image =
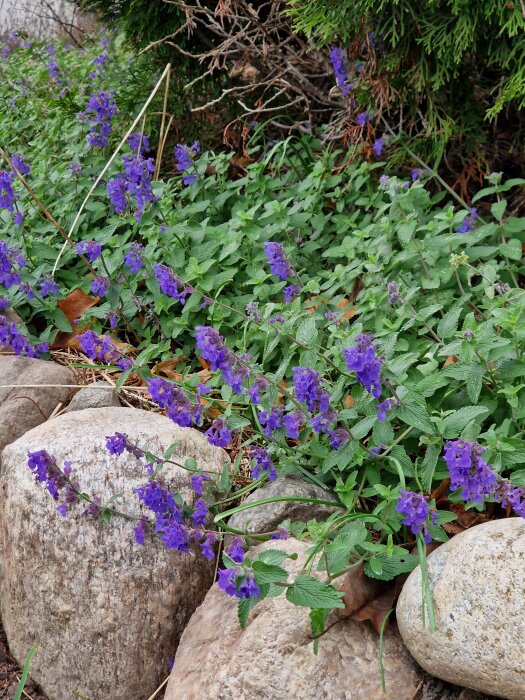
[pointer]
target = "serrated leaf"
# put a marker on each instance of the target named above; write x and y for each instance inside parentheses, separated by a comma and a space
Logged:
(475, 382)
(268, 573)
(449, 323)
(307, 331)
(311, 593)
(498, 209)
(511, 249)
(413, 410)
(392, 565)
(338, 552)
(272, 556)
(455, 422)
(243, 610)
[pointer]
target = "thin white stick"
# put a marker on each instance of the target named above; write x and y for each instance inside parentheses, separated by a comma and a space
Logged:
(106, 167)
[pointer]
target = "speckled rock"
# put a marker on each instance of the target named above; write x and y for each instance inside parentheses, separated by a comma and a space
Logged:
(24, 408)
(268, 517)
(96, 395)
(273, 659)
(105, 613)
(477, 581)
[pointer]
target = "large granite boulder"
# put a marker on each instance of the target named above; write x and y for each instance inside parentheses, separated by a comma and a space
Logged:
(104, 612)
(273, 659)
(25, 407)
(477, 580)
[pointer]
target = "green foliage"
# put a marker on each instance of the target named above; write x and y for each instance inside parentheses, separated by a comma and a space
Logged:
(451, 62)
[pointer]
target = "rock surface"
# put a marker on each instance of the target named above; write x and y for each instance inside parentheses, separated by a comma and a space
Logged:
(477, 581)
(273, 658)
(96, 395)
(268, 517)
(26, 407)
(104, 612)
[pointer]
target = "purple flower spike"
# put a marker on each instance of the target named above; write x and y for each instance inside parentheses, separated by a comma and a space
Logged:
(417, 512)
(468, 470)
(218, 434)
(235, 550)
(277, 260)
(362, 360)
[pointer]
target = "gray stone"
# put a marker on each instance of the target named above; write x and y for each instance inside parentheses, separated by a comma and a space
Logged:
(23, 408)
(273, 659)
(96, 395)
(104, 612)
(269, 516)
(477, 581)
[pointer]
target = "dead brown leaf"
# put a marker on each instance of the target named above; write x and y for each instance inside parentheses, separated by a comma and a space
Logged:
(366, 598)
(451, 360)
(74, 305)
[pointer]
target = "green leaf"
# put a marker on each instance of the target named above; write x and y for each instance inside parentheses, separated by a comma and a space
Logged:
(317, 623)
(268, 573)
(413, 410)
(338, 552)
(475, 382)
(428, 466)
(392, 565)
(243, 610)
(511, 249)
(449, 323)
(225, 480)
(61, 321)
(307, 331)
(273, 556)
(311, 593)
(455, 422)
(498, 209)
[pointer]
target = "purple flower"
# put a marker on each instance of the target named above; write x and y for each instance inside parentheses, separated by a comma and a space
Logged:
(99, 347)
(339, 438)
(276, 320)
(378, 146)
(91, 249)
(140, 529)
(100, 286)
(7, 194)
(18, 218)
(53, 67)
(214, 350)
(75, 168)
(338, 58)
(12, 338)
(138, 142)
(393, 293)
(362, 360)
(100, 110)
(417, 512)
(20, 164)
(116, 444)
(47, 286)
(185, 156)
(511, 497)
(170, 284)
(468, 222)
(383, 407)
(235, 550)
(133, 258)
(277, 260)
(199, 515)
(4, 303)
(197, 481)
(322, 421)
(218, 433)
(307, 383)
(10, 259)
(291, 291)
(171, 397)
(156, 498)
(468, 470)
(271, 420)
(248, 588)
(260, 384)
(281, 534)
(116, 189)
(362, 118)
(227, 579)
(293, 422)
(415, 173)
(332, 316)
(252, 310)
(206, 545)
(262, 462)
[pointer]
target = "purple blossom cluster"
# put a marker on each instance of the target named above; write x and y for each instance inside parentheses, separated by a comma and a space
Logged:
(47, 286)
(139, 142)
(234, 368)
(361, 358)
(308, 389)
(53, 67)
(277, 260)
(100, 110)
(119, 443)
(185, 157)
(133, 186)
(170, 284)
(100, 285)
(57, 482)
(11, 337)
(177, 405)
(338, 59)
(417, 513)
(102, 348)
(394, 297)
(263, 463)
(91, 249)
(20, 164)
(10, 259)
(7, 193)
(133, 258)
(176, 529)
(238, 582)
(468, 470)
(218, 433)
